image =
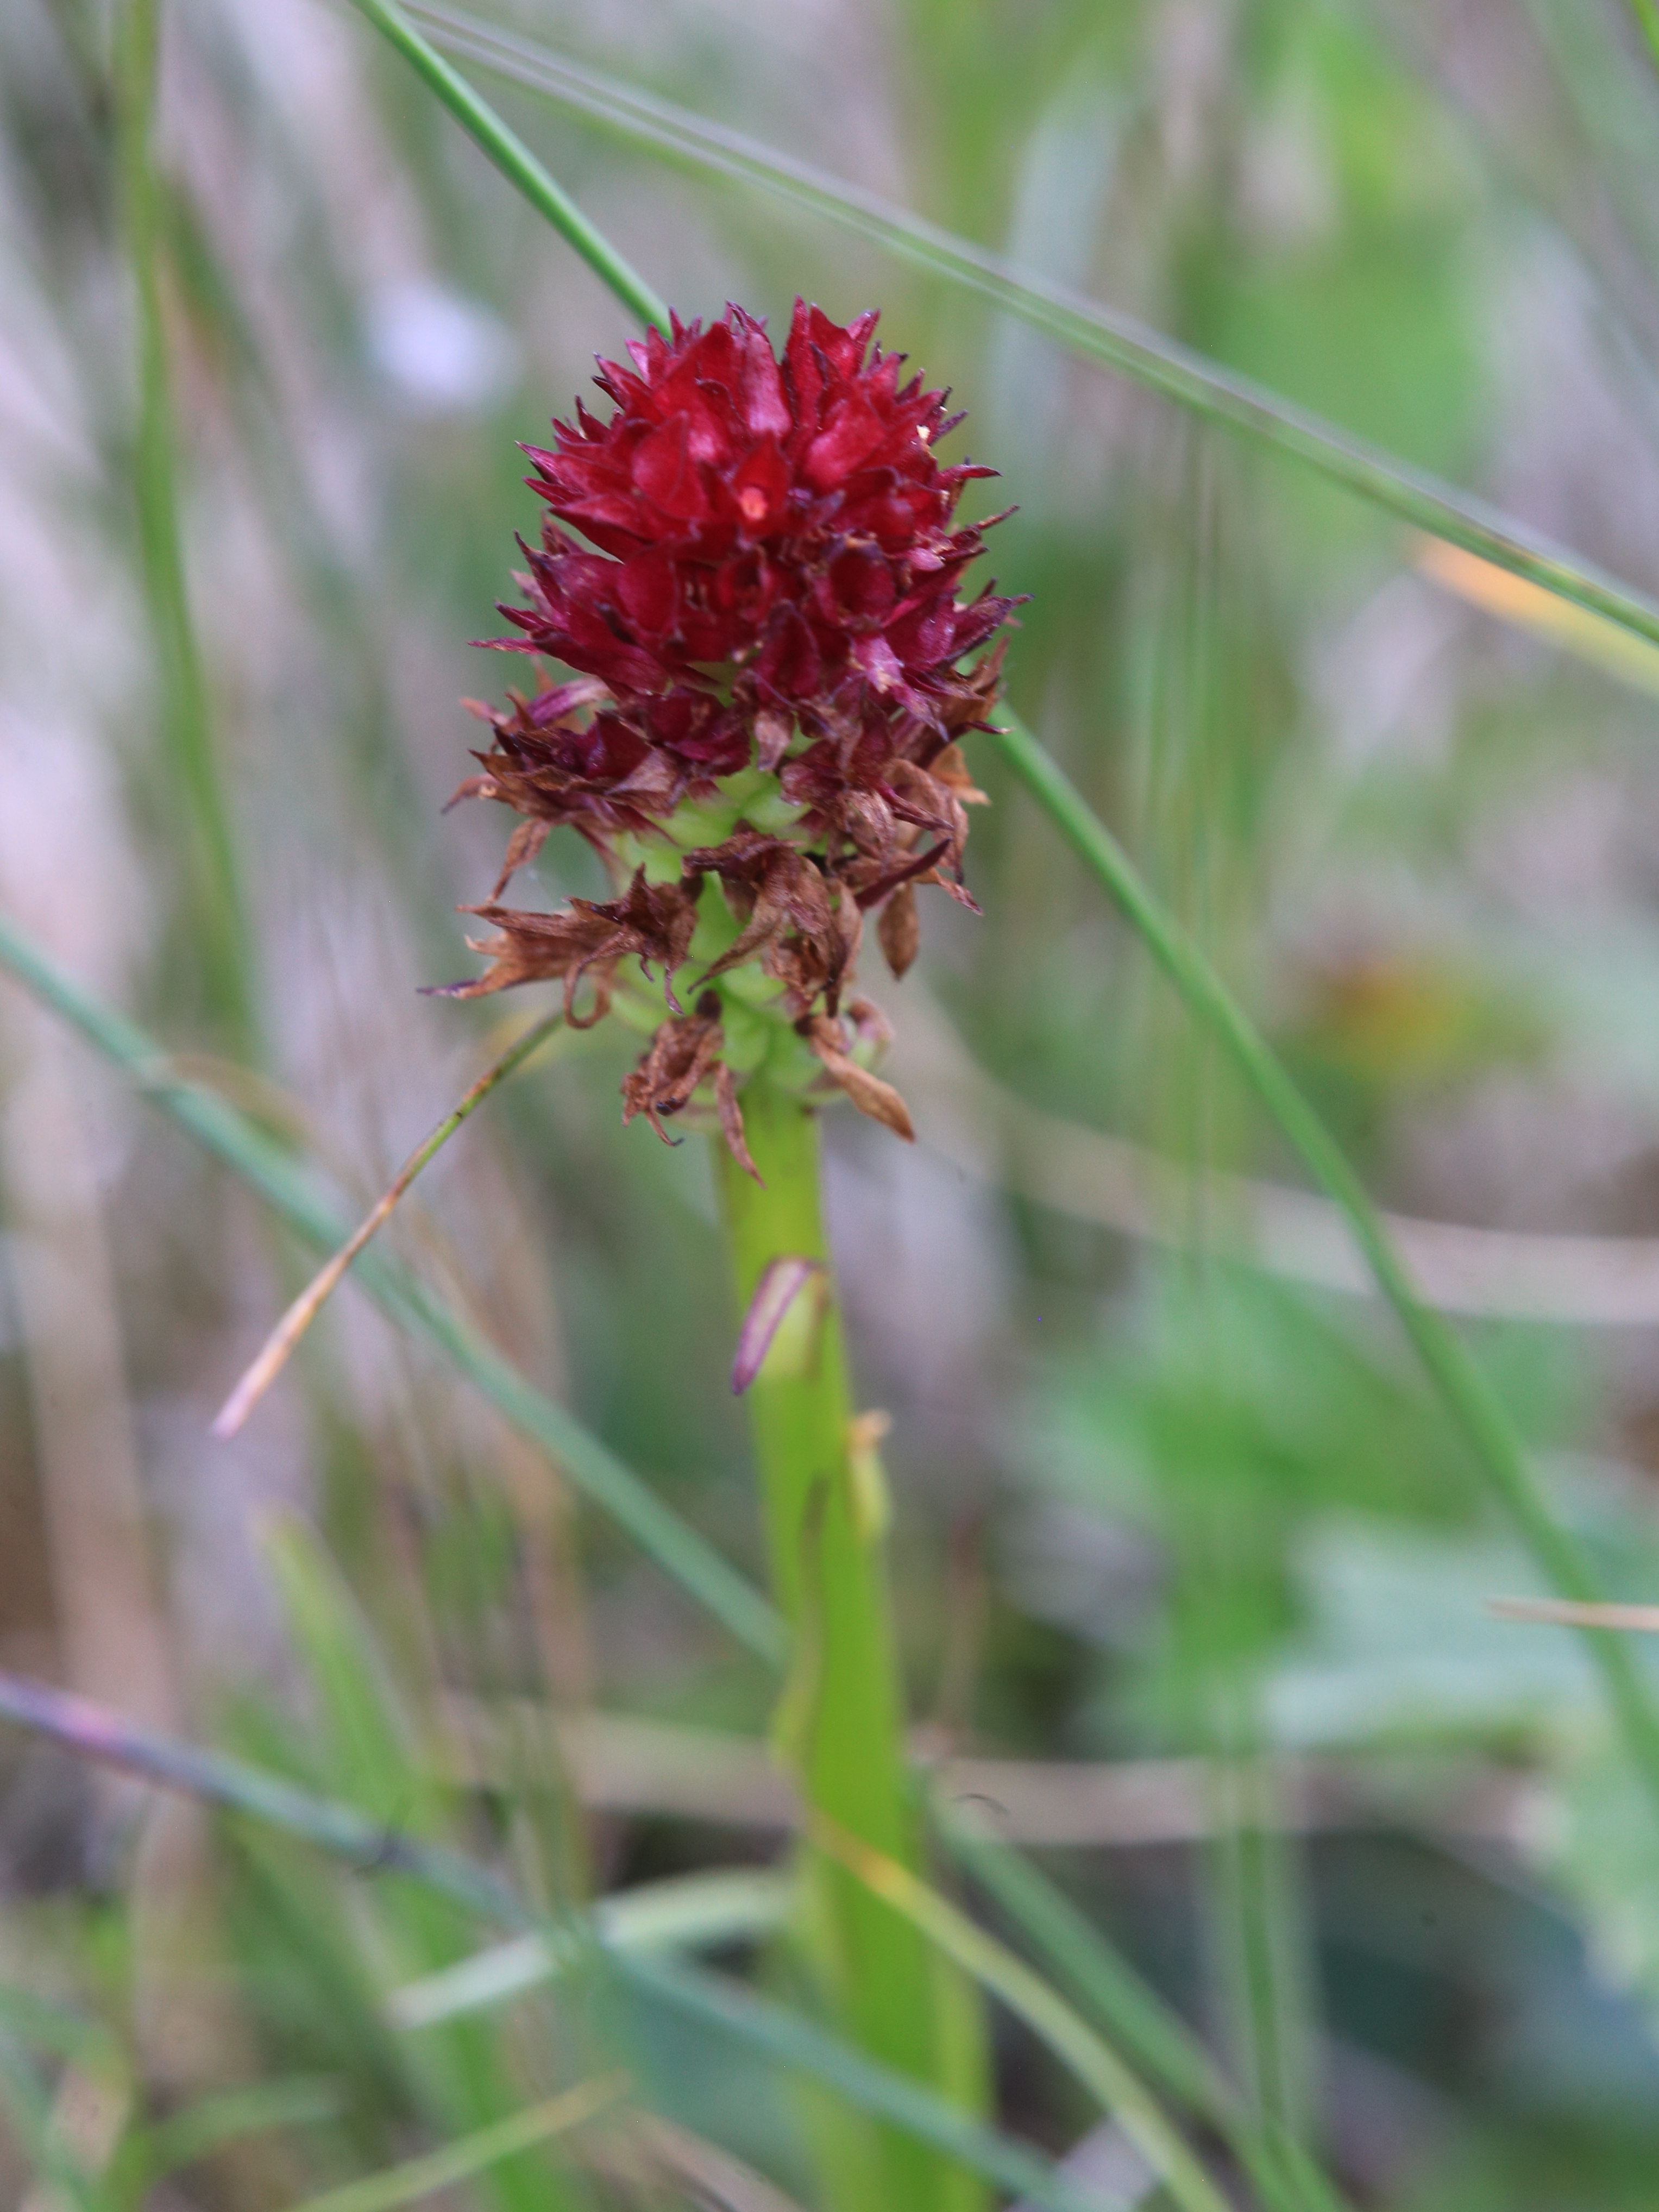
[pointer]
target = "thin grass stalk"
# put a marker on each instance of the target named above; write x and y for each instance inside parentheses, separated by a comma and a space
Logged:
(1070, 319)
(515, 160)
(218, 916)
(1461, 1387)
(1259, 1935)
(263, 1164)
(842, 1720)
(283, 1340)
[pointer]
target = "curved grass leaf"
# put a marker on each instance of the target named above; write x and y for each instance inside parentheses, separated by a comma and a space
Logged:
(291, 1191)
(1073, 320)
(688, 1911)
(515, 161)
(1100, 2070)
(1155, 2036)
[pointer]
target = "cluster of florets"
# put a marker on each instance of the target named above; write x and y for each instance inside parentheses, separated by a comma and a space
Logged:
(771, 677)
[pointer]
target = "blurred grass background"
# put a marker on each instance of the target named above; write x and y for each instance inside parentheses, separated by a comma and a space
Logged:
(1179, 1525)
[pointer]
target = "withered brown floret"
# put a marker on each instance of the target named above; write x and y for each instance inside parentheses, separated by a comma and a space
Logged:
(685, 1053)
(652, 922)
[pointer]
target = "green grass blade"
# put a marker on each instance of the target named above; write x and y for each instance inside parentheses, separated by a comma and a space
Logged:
(688, 1911)
(1158, 2038)
(290, 1191)
(1646, 12)
(474, 2154)
(93, 1731)
(515, 160)
(788, 2040)
(220, 919)
(1096, 2064)
(1463, 1390)
(1081, 324)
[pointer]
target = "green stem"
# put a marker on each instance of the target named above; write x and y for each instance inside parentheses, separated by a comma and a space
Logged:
(516, 162)
(841, 1719)
(1461, 1386)
(220, 918)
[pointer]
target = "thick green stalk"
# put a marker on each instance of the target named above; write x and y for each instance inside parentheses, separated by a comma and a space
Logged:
(219, 917)
(842, 1723)
(1463, 1390)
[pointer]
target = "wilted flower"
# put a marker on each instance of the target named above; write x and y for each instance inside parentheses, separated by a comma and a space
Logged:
(761, 736)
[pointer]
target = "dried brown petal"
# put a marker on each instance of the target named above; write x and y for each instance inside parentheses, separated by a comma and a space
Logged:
(731, 1114)
(651, 923)
(867, 1092)
(680, 1055)
(900, 929)
(522, 847)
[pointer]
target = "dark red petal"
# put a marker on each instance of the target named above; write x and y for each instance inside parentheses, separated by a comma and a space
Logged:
(648, 592)
(858, 586)
(765, 409)
(789, 662)
(853, 429)
(760, 486)
(662, 470)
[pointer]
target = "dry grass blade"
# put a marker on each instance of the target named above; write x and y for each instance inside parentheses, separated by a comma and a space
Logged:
(281, 1343)
(441, 2170)
(1511, 598)
(1565, 1612)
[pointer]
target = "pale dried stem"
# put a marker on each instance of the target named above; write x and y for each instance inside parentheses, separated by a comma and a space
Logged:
(279, 1346)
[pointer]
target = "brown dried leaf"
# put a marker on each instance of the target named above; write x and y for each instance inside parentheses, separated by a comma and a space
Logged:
(731, 1114)
(522, 847)
(899, 929)
(867, 1092)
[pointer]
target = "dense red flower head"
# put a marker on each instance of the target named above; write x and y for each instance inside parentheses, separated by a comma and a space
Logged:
(775, 552)
(772, 668)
